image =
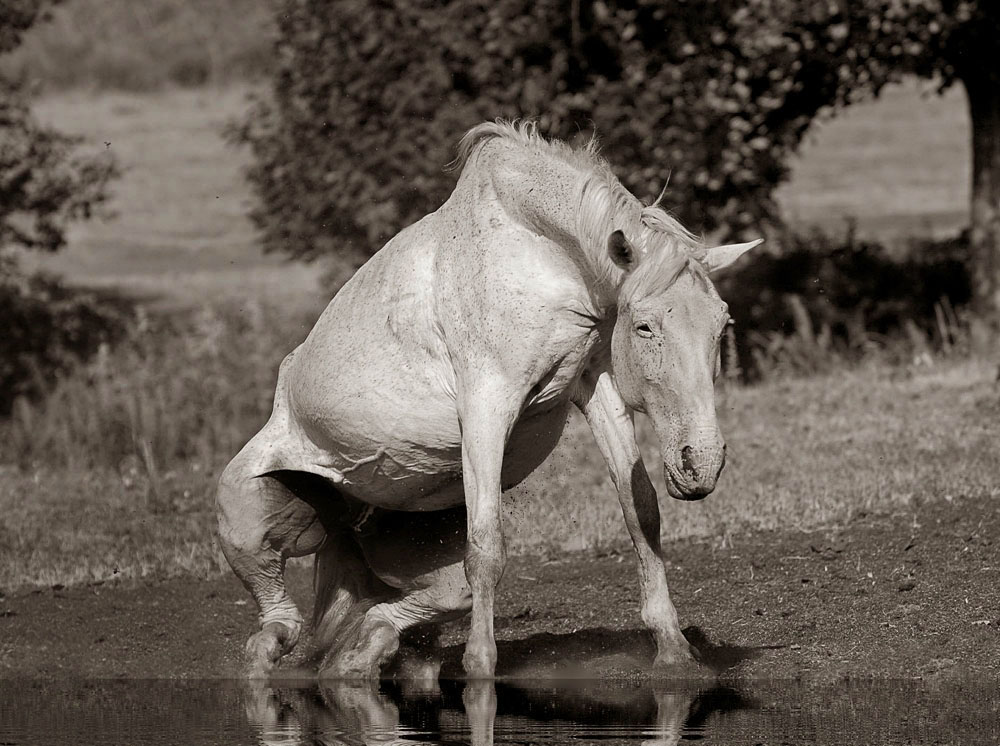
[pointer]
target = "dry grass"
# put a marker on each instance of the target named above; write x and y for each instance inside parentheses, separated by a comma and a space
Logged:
(803, 453)
(118, 473)
(113, 474)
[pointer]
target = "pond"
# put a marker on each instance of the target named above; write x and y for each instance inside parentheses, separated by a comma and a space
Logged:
(509, 712)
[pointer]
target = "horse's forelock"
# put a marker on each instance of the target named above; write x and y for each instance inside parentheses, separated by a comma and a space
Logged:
(654, 274)
(669, 249)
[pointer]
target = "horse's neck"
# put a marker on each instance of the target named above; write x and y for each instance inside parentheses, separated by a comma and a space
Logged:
(543, 193)
(540, 191)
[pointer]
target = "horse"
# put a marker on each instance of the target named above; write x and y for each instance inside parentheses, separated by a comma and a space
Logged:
(441, 374)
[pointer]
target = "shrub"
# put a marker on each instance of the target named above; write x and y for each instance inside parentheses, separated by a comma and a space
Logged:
(48, 330)
(44, 185)
(824, 300)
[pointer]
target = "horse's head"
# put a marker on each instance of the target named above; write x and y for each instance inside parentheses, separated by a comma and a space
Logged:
(665, 356)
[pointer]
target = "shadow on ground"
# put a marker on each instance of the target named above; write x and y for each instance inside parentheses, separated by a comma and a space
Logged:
(598, 651)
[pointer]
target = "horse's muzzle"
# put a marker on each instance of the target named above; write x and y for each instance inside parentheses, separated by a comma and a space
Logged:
(695, 472)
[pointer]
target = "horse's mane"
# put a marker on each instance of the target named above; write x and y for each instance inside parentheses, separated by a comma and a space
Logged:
(524, 132)
(666, 247)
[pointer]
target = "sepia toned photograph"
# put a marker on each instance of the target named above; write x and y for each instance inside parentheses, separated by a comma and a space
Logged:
(507, 372)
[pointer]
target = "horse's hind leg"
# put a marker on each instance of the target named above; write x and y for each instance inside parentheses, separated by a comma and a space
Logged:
(377, 637)
(261, 524)
(419, 559)
(346, 589)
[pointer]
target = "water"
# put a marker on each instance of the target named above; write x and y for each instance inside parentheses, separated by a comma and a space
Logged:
(523, 712)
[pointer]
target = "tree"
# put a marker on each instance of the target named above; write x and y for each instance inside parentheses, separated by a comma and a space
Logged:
(951, 41)
(43, 186)
(370, 98)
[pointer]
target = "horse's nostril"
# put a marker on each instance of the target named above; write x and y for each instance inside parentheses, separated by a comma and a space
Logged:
(686, 463)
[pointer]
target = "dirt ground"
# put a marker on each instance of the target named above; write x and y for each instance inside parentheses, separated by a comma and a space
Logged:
(913, 595)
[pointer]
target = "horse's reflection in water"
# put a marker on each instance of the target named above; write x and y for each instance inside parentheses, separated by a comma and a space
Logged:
(360, 713)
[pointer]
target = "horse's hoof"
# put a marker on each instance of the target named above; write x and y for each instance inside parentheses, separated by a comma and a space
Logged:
(262, 653)
(265, 648)
(380, 641)
(417, 673)
(680, 665)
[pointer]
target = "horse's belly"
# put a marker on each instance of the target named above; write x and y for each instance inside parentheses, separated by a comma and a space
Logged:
(414, 477)
(393, 454)
(417, 474)
(397, 478)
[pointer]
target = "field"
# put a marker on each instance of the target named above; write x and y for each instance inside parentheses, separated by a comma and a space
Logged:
(178, 234)
(112, 479)
(899, 166)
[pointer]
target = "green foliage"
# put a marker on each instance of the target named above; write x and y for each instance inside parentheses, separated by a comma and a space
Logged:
(370, 98)
(48, 331)
(943, 39)
(17, 16)
(43, 184)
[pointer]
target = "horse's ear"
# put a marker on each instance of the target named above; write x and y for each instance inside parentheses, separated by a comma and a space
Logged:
(720, 257)
(621, 251)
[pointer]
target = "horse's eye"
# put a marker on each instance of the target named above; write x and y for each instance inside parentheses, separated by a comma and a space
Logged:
(643, 330)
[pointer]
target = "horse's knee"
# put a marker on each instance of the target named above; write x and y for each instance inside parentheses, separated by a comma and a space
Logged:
(485, 560)
(258, 513)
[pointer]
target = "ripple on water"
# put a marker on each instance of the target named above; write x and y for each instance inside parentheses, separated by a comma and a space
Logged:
(511, 712)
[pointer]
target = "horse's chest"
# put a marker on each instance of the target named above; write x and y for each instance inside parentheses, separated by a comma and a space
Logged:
(562, 376)
(533, 438)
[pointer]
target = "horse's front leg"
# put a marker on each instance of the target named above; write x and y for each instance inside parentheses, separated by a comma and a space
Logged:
(487, 412)
(611, 423)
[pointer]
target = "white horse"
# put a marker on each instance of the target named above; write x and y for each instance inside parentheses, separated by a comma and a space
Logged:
(441, 374)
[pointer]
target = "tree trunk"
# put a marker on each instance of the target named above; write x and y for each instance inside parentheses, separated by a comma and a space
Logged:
(984, 111)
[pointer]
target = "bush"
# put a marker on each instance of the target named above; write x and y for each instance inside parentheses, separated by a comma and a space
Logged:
(48, 330)
(824, 301)
(44, 185)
